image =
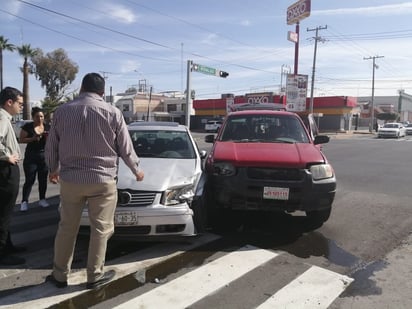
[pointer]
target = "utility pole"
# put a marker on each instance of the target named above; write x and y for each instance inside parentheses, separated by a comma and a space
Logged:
(105, 76)
(375, 66)
(317, 38)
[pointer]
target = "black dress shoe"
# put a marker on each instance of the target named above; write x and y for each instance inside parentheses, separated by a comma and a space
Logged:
(57, 283)
(103, 280)
(11, 260)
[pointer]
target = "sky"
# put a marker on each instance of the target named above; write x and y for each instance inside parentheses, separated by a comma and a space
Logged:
(128, 41)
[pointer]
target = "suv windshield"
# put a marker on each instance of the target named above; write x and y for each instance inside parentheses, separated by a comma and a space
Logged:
(162, 144)
(264, 128)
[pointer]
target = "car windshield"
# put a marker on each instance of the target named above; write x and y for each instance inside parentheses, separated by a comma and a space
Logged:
(264, 128)
(162, 144)
(391, 125)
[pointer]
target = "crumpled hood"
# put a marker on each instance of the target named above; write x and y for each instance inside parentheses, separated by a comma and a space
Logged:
(268, 154)
(159, 174)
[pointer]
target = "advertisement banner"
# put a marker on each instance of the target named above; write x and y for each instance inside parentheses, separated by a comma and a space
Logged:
(296, 92)
(229, 105)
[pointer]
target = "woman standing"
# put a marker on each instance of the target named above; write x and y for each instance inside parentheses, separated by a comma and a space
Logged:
(34, 134)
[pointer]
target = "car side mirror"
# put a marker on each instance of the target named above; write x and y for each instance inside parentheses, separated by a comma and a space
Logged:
(321, 139)
(203, 154)
(210, 138)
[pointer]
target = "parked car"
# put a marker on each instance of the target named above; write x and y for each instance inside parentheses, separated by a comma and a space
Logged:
(392, 129)
(408, 129)
(213, 125)
(264, 160)
(168, 202)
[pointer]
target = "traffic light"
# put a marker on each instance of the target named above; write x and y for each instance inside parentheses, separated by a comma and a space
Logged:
(223, 74)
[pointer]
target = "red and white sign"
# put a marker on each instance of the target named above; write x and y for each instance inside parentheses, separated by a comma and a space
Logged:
(296, 91)
(297, 11)
(292, 36)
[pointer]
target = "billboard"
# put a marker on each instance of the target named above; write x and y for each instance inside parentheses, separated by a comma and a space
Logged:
(296, 92)
(297, 11)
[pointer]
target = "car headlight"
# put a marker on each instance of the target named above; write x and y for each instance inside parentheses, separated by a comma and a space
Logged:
(321, 171)
(178, 195)
(223, 169)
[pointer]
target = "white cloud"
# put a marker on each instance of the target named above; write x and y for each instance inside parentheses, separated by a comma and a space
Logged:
(245, 23)
(392, 9)
(120, 13)
(210, 39)
(13, 7)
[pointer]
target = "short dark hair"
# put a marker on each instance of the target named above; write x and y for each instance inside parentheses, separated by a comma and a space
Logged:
(36, 110)
(93, 82)
(9, 93)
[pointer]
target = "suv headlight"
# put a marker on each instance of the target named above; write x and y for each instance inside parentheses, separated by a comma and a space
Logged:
(223, 169)
(321, 171)
(175, 196)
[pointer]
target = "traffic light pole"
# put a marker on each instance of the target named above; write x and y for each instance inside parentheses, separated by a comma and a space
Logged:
(188, 109)
(200, 69)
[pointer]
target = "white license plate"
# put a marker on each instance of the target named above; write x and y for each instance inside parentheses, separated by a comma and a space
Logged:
(125, 218)
(275, 193)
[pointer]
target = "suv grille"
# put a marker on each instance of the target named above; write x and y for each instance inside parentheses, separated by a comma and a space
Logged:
(127, 198)
(274, 173)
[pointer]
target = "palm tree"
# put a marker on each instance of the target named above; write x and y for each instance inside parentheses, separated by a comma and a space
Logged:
(4, 45)
(26, 52)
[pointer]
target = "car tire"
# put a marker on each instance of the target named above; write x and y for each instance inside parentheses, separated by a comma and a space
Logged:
(316, 218)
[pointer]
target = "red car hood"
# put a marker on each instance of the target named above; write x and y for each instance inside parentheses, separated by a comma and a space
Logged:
(268, 154)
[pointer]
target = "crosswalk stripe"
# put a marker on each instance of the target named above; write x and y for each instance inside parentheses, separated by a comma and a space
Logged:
(193, 286)
(315, 288)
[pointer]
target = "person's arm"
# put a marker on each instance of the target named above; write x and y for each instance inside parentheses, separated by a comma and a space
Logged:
(126, 149)
(5, 154)
(24, 136)
(52, 151)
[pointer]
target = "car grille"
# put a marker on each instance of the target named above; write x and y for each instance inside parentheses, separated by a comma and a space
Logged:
(275, 174)
(134, 198)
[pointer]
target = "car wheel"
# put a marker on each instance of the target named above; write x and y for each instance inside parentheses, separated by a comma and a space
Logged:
(316, 218)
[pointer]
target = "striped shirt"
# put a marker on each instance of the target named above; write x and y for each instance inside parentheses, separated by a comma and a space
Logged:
(8, 140)
(86, 139)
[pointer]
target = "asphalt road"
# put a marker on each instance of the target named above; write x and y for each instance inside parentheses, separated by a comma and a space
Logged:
(367, 240)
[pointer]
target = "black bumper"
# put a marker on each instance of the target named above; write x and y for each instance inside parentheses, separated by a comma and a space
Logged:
(244, 191)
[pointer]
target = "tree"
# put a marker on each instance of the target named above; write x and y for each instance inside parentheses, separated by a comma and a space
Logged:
(56, 72)
(4, 45)
(391, 116)
(27, 52)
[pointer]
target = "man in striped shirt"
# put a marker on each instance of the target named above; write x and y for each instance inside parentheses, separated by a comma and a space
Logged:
(86, 139)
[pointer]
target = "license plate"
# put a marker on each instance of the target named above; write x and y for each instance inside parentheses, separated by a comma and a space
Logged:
(275, 193)
(125, 218)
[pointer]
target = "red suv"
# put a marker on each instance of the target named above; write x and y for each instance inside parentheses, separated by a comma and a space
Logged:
(269, 160)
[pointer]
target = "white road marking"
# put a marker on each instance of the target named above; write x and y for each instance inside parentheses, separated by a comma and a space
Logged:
(315, 288)
(193, 286)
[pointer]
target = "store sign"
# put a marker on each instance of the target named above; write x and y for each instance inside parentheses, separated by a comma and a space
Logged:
(292, 36)
(298, 11)
(229, 105)
(259, 98)
(296, 92)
